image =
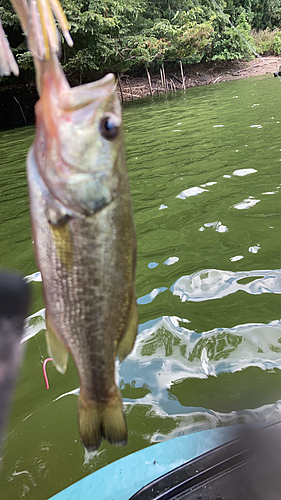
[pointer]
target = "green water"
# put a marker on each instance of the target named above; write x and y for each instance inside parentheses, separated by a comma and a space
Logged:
(205, 177)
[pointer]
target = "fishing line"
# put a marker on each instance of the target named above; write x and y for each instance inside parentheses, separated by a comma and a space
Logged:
(40, 352)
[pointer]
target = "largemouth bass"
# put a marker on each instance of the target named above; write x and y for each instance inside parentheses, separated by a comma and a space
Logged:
(85, 242)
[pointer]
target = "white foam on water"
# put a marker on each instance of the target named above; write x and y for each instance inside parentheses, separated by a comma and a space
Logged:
(193, 191)
(247, 203)
(241, 172)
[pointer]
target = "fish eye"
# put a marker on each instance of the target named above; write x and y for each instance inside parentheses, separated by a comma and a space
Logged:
(109, 126)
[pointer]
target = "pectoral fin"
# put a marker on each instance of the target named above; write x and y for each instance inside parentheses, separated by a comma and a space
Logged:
(126, 344)
(56, 349)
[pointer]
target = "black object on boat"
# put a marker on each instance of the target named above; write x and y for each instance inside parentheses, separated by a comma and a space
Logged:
(246, 468)
(14, 300)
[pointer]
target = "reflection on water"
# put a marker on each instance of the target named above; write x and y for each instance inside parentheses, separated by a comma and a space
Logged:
(213, 283)
(199, 355)
(247, 203)
(205, 176)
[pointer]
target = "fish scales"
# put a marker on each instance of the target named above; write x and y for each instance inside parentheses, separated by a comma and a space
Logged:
(85, 243)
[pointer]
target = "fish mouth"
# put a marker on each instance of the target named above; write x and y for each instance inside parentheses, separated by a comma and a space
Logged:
(79, 97)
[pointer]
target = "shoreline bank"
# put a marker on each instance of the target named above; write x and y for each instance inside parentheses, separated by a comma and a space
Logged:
(195, 75)
(17, 103)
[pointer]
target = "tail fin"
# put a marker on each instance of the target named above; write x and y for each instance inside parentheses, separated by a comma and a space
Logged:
(99, 420)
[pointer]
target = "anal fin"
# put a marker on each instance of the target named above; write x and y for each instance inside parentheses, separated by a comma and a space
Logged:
(56, 349)
(126, 343)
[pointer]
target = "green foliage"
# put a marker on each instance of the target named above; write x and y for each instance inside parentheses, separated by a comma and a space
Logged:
(277, 43)
(128, 35)
(263, 41)
(272, 14)
(183, 37)
(267, 42)
(233, 42)
(8, 16)
(261, 14)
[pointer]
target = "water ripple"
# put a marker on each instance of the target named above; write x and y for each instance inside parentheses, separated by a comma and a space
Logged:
(216, 225)
(34, 324)
(210, 284)
(175, 353)
(146, 299)
(247, 203)
(33, 277)
(195, 420)
(193, 191)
